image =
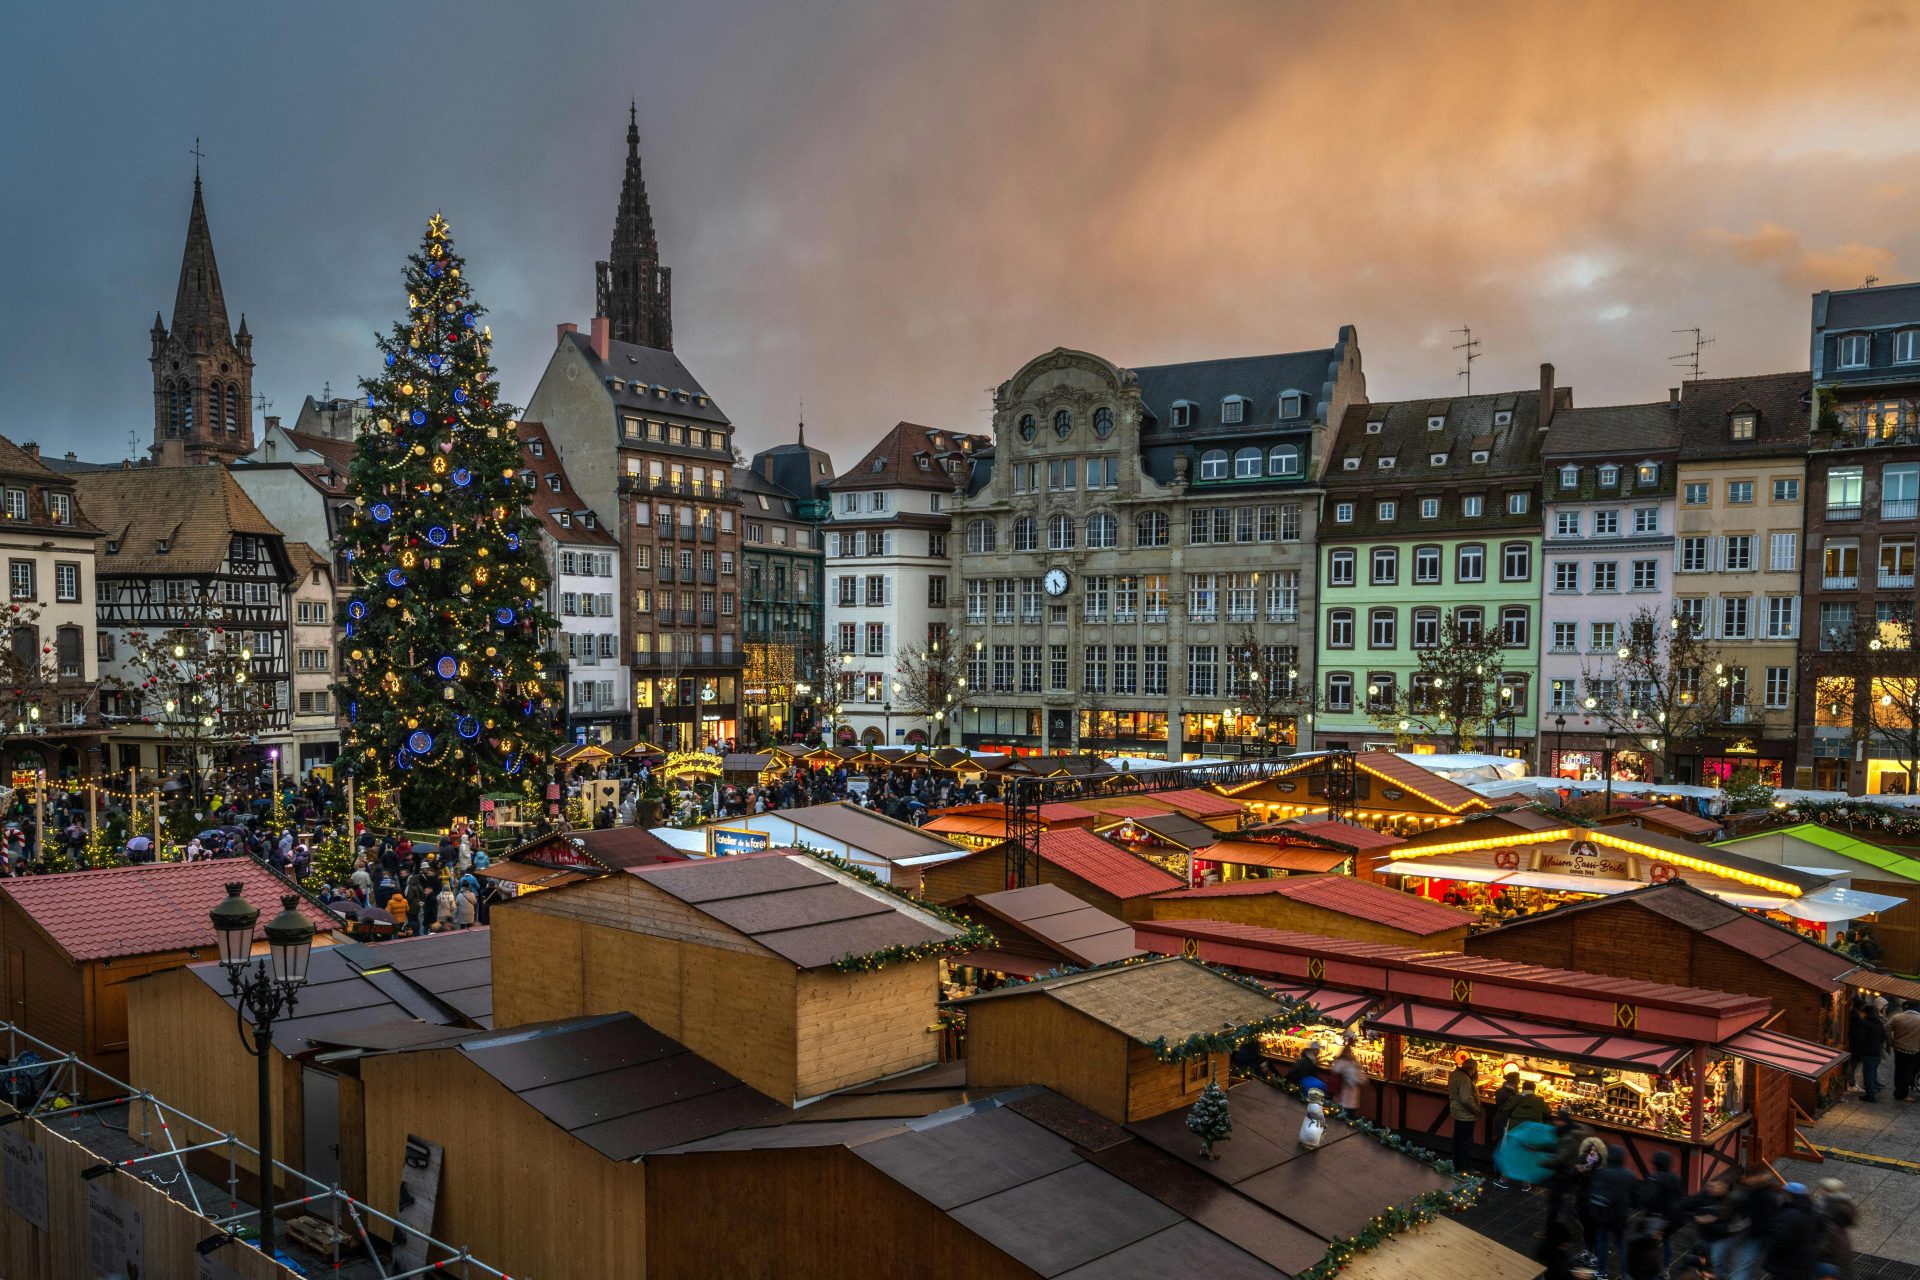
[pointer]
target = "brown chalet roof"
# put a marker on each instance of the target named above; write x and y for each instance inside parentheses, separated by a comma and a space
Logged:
(1336, 832)
(1672, 819)
(1773, 945)
(1780, 400)
(1103, 865)
(1177, 828)
(1199, 803)
(895, 462)
(1168, 999)
(617, 1084)
(1086, 935)
(1361, 899)
(543, 500)
(17, 464)
(615, 849)
(871, 832)
(795, 905)
(338, 452)
(194, 510)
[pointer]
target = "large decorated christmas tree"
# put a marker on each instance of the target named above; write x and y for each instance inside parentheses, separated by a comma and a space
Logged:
(447, 689)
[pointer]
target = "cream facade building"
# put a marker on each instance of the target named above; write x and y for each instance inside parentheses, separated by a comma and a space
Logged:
(1132, 532)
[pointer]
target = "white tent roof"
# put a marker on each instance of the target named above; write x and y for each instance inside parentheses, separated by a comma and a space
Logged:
(1523, 786)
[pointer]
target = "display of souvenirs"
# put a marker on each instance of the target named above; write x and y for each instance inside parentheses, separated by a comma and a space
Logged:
(1290, 1044)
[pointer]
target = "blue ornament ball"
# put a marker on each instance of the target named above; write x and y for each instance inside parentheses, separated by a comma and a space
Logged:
(462, 477)
(381, 513)
(356, 608)
(418, 417)
(395, 578)
(437, 536)
(419, 742)
(459, 395)
(447, 667)
(468, 727)
(503, 616)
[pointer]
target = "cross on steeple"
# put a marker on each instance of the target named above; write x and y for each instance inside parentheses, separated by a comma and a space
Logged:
(198, 155)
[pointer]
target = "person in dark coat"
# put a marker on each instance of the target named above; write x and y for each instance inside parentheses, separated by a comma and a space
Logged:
(1791, 1236)
(1611, 1195)
(1867, 1041)
(1661, 1196)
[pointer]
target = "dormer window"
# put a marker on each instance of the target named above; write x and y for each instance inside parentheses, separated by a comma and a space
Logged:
(1609, 476)
(1906, 347)
(553, 483)
(1647, 474)
(1291, 404)
(1233, 409)
(1103, 423)
(1855, 350)
(538, 448)
(1502, 417)
(1743, 425)
(925, 463)
(879, 465)
(1349, 464)
(1375, 428)
(562, 519)
(1386, 464)
(1028, 426)
(1436, 459)
(113, 546)
(1569, 477)
(1479, 455)
(586, 518)
(1183, 413)
(1436, 421)
(162, 545)
(616, 384)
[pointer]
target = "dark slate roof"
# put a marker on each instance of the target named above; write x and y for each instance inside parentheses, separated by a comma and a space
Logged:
(1261, 379)
(797, 466)
(441, 980)
(1867, 308)
(1058, 920)
(780, 502)
(796, 905)
(1614, 430)
(616, 1084)
(1780, 400)
(645, 372)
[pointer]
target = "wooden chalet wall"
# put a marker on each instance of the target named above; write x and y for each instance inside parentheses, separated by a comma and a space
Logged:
(170, 1229)
(515, 1188)
(1155, 1087)
(618, 944)
(1275, 911)
(1899, 928)
(811, 1213)
(186, 1050)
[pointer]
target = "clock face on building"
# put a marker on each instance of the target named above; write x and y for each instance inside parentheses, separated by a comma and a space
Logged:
(1056, 582)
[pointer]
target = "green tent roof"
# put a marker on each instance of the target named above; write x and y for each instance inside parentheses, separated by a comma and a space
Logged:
(1846, 845)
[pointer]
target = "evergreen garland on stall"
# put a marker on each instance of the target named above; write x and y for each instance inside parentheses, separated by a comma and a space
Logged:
(445, 682)
(971, 936)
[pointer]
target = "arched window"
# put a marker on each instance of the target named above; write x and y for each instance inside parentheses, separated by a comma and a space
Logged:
(233, 410)
(1283, 460)
(982, 535)
(186, 405)
(1062, 533)
(1151, 529)
(1063, 423)
(1213, 464)
(26, 650)
(67, 646)
(1026, 534)
(1103, 423)
(1102, 530)
(1246, 464)
(173, 409)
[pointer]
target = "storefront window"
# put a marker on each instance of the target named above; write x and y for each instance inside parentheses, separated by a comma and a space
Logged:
(1717, 771)
(1629, 765)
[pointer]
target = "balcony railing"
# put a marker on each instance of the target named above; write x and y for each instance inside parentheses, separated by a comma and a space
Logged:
(1840, 581)
(1899, 508)
(631, 483)
(1895, 581)
(1843, 511)
(666, 573)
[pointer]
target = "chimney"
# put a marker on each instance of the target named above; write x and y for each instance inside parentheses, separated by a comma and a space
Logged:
(1546, 396)
(269, 422)
(602, 330)
(31, 449)
(564, 330)
(1673, 395)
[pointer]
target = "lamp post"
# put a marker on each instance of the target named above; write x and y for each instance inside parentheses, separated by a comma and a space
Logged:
(266, 989)
(1559, 743)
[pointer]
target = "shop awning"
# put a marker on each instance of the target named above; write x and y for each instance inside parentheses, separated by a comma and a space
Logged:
(1567, 884)
(1007, 962)
(533, 877)
(1535, 1039)
(1835, 903)
(1339, 1008)
(1434, 869)
(1883, 984)
(1790, 1054)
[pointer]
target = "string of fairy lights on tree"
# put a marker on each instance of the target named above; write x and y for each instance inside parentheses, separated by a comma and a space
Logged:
(445, 684)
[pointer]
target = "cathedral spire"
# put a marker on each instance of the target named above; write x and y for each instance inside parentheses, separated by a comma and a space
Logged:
(199, 307)
(634, 291)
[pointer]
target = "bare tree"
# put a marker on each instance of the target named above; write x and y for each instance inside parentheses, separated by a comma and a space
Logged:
(196, 685)
(29, 672)
(1263, 682)
(1666, 684)
(930, 681)
(1870, 683)
(1455, 693)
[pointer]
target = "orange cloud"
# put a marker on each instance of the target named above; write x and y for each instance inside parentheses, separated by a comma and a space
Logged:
(1770, 245)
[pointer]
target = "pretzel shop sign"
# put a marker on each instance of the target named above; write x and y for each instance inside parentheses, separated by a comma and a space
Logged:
(1586, 859)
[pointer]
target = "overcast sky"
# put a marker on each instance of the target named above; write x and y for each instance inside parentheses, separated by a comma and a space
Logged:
(886, 208)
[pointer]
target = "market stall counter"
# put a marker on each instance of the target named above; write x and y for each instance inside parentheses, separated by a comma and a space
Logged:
(1649, 1066)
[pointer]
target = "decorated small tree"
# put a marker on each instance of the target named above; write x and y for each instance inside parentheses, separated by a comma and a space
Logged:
(446, 682)
(1209, 1119)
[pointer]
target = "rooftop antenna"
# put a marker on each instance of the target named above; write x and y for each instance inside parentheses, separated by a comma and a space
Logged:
(326, 389)
(133, 444)
(261, 404)
(1691, 359)
(1471, 345)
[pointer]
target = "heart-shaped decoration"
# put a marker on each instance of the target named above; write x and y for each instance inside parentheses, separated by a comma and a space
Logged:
(446, 446)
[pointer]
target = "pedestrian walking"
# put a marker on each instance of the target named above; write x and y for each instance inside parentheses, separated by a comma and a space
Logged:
(1903, 1031)
(1611, 1195)
(1867, 1041)
(1463, 1107)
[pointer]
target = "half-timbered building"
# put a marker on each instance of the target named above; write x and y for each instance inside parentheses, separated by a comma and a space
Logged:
(184, 547)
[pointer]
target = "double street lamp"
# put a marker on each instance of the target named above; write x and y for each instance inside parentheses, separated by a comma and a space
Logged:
(266, 988)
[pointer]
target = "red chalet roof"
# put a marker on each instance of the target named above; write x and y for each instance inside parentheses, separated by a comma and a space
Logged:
(1360, 899)
(137, 911)
(1198, 802)
(1345, 835)
(1104, 866)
